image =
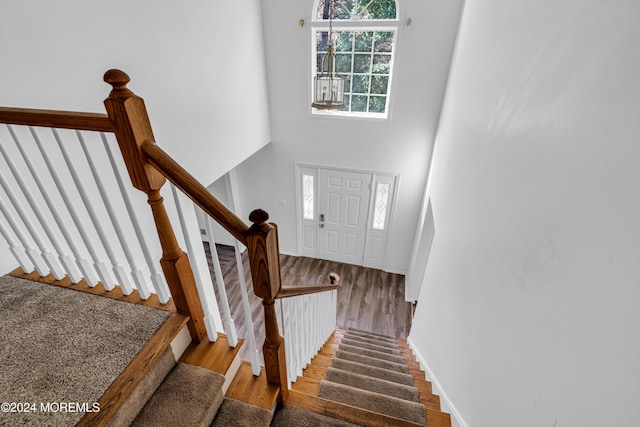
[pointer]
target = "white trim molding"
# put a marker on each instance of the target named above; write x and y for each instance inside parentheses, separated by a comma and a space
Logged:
(445, 403)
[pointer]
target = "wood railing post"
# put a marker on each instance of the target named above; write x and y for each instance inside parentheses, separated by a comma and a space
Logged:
(264, 259)
(132, 128)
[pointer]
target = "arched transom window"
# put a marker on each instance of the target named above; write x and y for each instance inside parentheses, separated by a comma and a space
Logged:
(364, 36)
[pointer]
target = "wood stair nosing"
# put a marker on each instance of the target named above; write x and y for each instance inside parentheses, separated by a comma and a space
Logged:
(253, 390)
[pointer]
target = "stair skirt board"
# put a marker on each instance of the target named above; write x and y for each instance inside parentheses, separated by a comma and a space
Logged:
(366, 382)
(364, 344)
(189, 396)
(372, 361)
(375, 402)
(234, 413)
(372, 371)
(445, 402)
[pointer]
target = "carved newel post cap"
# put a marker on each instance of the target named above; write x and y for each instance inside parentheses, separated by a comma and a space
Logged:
(258, 216)
(118, 80)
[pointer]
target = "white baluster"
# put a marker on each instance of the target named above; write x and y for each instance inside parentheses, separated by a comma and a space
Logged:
(246, 307)
(204, 286)
(306, 322)
(121, 273)
(85, 264)
(70, 264)
(17, 250)
(104, 271)
(34, 254)
(52, 258)
(229, 325)
(140, 279)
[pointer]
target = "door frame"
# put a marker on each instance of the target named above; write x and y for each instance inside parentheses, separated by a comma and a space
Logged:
(376, 178)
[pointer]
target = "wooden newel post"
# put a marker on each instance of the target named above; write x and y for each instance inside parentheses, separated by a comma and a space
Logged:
(264, 258)
(132, 128)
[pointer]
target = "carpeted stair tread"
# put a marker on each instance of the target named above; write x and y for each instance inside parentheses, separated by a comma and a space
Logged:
(370, 340)
(144, 390)
(291, 416)
(365, 382)
(372, 353)
(189, 396)
(372, 361)
(372, 333)
(234, 413)
(372, 371)
(369, 346)
(375, 402)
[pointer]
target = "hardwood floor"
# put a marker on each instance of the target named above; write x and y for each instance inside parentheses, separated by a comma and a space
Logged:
(368, 299)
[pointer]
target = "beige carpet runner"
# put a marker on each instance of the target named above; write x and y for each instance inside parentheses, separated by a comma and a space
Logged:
(369, 372)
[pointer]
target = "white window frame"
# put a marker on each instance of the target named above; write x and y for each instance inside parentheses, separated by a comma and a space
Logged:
(392, 25)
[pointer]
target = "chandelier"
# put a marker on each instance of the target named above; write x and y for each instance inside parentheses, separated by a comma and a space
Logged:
(328, 91)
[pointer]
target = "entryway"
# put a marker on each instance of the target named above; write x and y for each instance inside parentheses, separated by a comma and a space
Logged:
(344, 214)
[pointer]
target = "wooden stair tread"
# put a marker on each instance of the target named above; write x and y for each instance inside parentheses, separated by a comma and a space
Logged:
(306, 385)
(253, 390)
(217, 356)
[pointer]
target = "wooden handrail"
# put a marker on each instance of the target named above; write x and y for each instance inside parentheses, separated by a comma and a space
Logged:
(196, 191)
(56, 119)
(294, 291)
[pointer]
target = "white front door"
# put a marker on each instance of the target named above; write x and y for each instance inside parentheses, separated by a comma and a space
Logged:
(343, 211)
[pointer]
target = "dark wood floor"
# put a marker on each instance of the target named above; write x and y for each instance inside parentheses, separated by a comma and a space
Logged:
(368, 299)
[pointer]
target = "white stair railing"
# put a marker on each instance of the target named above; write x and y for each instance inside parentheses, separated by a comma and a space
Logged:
(229, 323)
(204, 285)
(17, 249)
(141, 280)
(67, 210)
(254, 355)
(306, 322)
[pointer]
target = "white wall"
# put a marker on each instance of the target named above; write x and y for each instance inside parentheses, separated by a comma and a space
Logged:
(400, 145)
(198, 64)
(529, 311)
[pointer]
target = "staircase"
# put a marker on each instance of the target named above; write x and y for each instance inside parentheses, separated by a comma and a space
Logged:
(358, 378)
(368, 379)
(208, 384)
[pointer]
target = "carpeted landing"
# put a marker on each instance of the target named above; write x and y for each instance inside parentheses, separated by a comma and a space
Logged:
(62, 346)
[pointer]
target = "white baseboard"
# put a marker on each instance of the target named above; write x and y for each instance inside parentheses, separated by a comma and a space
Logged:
(445, 402)
(288, 253)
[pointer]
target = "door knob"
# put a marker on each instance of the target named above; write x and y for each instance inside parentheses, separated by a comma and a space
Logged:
(321, 225)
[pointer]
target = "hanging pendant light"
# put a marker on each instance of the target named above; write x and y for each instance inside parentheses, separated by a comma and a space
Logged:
(328, 85)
